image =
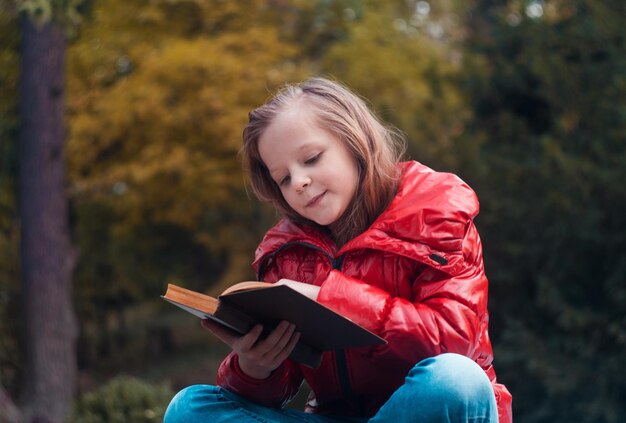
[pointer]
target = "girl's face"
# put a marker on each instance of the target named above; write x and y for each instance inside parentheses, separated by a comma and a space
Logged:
(316, 173)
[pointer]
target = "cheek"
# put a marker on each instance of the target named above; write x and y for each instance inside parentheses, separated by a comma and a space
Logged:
(289, 198)
(352, 183)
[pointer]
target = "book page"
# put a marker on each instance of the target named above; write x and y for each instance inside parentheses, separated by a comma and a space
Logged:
(191, 298)
(247, 285)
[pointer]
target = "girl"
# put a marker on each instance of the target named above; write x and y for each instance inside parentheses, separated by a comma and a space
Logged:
(390, 245)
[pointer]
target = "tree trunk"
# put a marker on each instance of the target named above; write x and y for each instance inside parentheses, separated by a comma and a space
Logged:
(47, 256)
(8, 411)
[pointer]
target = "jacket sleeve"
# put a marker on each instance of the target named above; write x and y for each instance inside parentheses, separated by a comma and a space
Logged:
(448, 313)
(275, 391)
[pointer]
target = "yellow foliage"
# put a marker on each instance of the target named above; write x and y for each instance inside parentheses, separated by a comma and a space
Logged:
(160, 140)
(159, 92)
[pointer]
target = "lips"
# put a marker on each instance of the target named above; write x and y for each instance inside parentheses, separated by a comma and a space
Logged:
(315, 200)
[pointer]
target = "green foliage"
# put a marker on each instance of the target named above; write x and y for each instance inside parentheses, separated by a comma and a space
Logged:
(318, 25)
(549, 94)
(123, 399)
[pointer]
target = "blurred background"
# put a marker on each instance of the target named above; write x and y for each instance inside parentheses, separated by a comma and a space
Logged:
(524, 99)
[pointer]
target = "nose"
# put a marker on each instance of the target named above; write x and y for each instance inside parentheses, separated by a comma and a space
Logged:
(301, 181)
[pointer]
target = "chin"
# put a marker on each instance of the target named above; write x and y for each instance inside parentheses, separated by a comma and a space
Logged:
(325, 222)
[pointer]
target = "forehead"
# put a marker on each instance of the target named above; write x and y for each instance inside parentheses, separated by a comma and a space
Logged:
(289, 122)
(292, 132)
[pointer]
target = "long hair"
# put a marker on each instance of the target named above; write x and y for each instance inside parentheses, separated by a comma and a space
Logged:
(375, 148)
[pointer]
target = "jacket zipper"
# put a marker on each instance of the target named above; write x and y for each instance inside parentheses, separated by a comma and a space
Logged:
(341, 360)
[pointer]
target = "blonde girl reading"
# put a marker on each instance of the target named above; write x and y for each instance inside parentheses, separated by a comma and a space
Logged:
(389, 244)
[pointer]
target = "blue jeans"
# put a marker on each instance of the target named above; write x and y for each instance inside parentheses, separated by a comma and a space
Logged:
(447, 388)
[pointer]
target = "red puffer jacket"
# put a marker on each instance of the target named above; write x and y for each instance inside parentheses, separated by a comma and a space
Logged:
(415, 278)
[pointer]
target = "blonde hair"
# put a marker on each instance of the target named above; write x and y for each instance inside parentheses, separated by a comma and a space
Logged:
(375, 148)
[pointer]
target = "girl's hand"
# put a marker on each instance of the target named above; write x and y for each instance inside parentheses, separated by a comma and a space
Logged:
(309, 290)
(258, 358)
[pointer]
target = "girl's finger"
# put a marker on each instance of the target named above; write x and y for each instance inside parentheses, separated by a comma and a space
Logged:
(277, 354)
(286, 351)
(269, 344)
(284, 339)
(247, 342)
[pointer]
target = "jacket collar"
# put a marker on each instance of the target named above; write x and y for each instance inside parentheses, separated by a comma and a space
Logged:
(426, 221)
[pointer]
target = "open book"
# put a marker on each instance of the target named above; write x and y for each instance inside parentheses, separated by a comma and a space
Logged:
(245, 304)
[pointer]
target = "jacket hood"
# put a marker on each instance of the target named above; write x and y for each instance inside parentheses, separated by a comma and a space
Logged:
(426, 221)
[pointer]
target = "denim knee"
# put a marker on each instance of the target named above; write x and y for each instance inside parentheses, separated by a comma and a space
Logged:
(186, 404)
(443, 389)
(456, 382)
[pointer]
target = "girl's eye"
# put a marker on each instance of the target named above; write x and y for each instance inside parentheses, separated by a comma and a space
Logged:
(284, 181)
(313, 159)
